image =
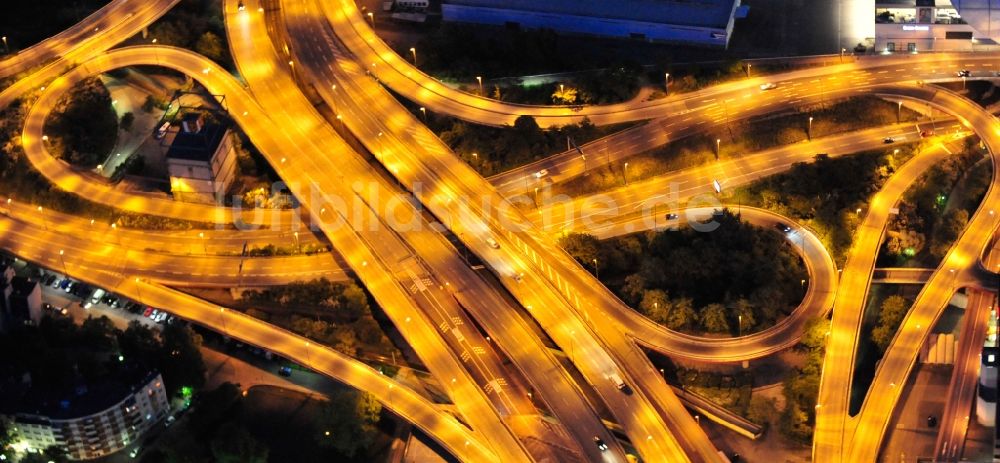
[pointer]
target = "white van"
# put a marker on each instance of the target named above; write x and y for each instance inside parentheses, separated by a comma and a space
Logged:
(96, 297)
(617, 380)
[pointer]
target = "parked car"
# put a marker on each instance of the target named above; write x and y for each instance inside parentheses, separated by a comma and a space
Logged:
(926, 133)
(97, 296)
(782, 227)
(149, 311)
(285, 371)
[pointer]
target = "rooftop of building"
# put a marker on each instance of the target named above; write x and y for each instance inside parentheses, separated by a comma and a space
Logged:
(200, 145)
(700, 13)
(86, 398)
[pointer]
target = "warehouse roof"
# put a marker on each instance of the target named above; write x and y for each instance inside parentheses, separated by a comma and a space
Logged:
(700, 13)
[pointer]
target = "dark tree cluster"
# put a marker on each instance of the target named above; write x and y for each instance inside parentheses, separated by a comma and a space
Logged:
(334, 314)
(737, 278)
(827, 193)
(501, 148)
(347, 423)
(214, 432)
(83, 128)
(930, 219)
(226, 425)
(27, 23)
(801, 386)
(196, 25)
(59, 354)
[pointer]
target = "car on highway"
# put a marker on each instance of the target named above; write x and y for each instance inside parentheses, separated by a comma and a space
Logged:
(931, 421)
(241, 6)
(619, 383)
(285, 371)
(672, 216)
(600, 444)
(768, 86)
(493, 243)
(783, 227)
(888, 140)
(541, 173)
(926, 133)
(964, 73)
(147, 312)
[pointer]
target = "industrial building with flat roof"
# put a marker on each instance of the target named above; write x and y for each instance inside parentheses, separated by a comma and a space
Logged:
(697, 22)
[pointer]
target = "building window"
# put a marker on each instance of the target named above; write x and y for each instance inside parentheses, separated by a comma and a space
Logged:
(911, 47)
(890, 47)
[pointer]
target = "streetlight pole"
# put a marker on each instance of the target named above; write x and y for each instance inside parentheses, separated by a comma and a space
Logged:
(138, 290)
(480, 80)
(625, 173)
(718, 148)
(597, 270)
(414, 51)
(572, 348)
(371, 17)
(63, 260)
(297, 247)
(748, 69)
(899, 111)
(41, 212)
(222, 318)
(666, 82)
(6, 49)
(842, 50)
(809, 133)
(333, 88)
(741, 325)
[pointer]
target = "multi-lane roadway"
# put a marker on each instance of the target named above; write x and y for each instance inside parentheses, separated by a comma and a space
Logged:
(524, 256)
